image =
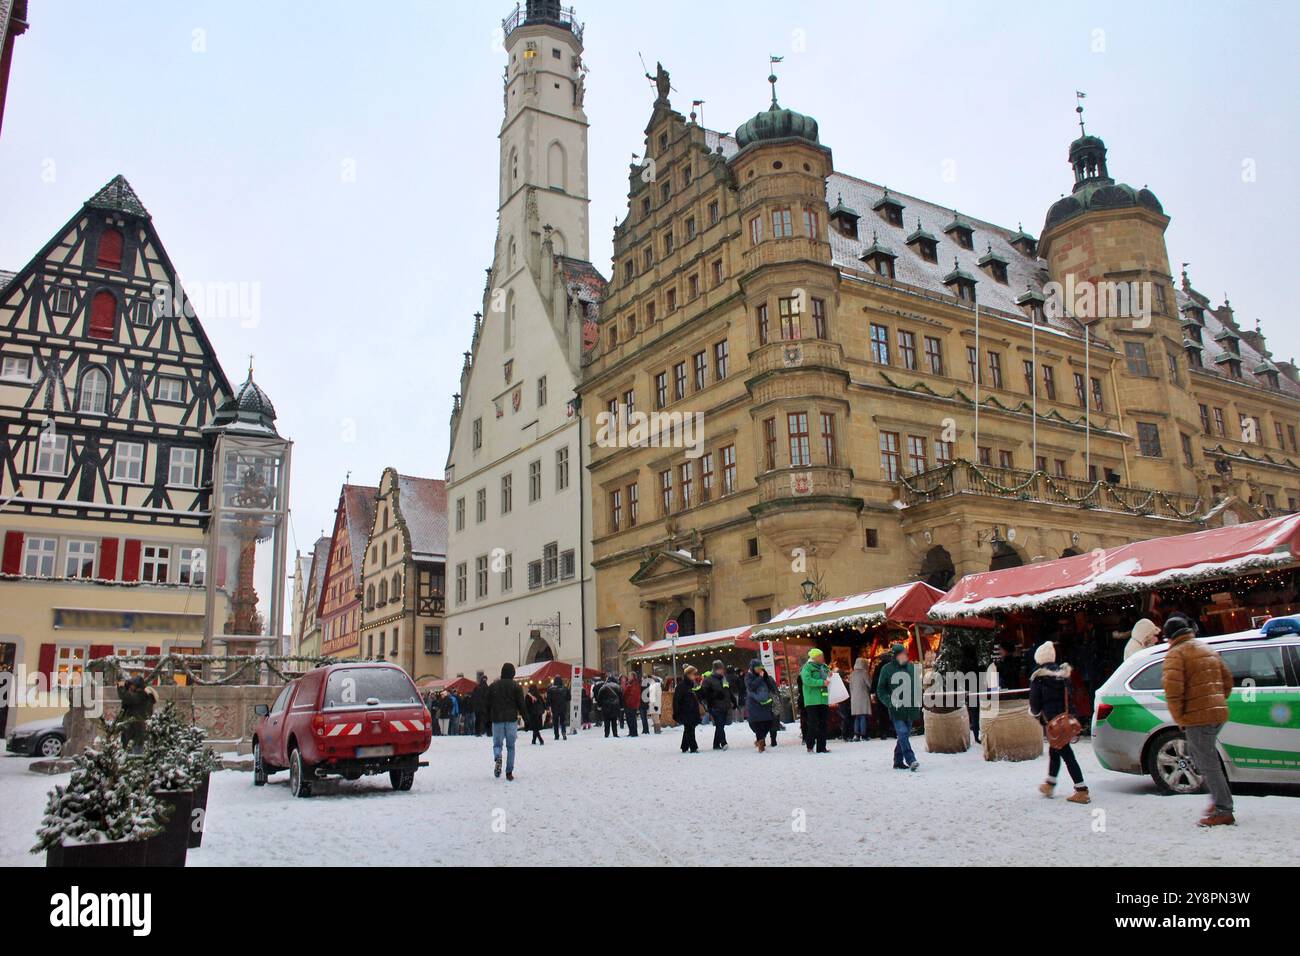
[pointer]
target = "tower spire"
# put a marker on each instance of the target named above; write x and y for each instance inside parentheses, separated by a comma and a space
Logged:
(772, 61)
(1079, 97)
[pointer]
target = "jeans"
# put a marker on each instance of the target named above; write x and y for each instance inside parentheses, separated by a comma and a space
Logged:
(630, 714)
(1054, 758)
(719, 728)
(560, 723)
(467, 724)
(903, 755)
(507, 731)
(688, 739)
(859, 725)
(1200, 744)
(818, 716)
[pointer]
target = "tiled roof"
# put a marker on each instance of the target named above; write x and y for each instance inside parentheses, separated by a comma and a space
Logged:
(582, 280)
(6, 277)
(1217, 330)
(118, 195)
(320, 557)
(359, 505)
(424, 509)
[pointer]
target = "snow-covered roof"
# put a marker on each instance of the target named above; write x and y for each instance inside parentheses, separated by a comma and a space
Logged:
(424, 509)
(727, 637)
(904, 603)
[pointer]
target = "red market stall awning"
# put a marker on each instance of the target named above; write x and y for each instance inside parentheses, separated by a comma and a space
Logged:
(1143, 565)
(732, 637)
(902, 604)
(460, 685)
(544, 672)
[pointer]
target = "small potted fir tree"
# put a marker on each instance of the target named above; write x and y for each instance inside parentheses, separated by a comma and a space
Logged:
(200, 763)
(106, 815)
(169, 769)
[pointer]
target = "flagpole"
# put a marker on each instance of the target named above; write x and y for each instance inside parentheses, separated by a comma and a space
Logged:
(977, 382)
(1087, 405)
(1033, 381)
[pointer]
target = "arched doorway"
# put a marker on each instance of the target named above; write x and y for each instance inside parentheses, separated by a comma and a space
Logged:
(1071, 553)
(937, 569)
(539, 651)
(1005, 556)
(686, 622)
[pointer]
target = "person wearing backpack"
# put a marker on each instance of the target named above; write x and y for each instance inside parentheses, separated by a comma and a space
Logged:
(1049, 701)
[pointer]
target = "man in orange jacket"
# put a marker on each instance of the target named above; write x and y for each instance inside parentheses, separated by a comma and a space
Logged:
(1197, 684)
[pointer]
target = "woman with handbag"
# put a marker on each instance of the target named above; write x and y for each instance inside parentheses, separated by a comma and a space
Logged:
(1049, 701)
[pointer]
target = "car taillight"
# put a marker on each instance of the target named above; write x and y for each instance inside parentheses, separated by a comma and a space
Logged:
(1103, 711)
(318, 725)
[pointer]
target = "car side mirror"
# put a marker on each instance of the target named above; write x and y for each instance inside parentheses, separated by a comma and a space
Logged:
(261, 710)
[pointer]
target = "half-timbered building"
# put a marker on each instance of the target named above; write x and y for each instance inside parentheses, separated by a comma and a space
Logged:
(107, 382)
(338, 609)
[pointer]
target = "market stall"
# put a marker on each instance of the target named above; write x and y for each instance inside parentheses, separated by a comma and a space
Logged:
(1226, 579)
(543, 673)
(458, 685)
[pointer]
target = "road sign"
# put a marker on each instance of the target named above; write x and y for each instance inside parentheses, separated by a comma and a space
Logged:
(671, 628)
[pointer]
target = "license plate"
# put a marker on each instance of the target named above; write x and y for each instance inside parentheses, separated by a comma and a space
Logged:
(385, 751)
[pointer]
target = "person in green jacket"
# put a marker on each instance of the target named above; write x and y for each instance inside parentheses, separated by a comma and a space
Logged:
(899, 692)
(814, 676)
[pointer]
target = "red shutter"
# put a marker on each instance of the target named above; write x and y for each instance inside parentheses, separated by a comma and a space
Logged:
(131, 560)
(12, 563)
(149, 651)
(100, 650)
(109, 254)
(46, 665)
(108, 559)
(103, 315)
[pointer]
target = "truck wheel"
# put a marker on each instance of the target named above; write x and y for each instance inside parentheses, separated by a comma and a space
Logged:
(259, 768)
(299, 781)
(401, 779)
(1170, 764)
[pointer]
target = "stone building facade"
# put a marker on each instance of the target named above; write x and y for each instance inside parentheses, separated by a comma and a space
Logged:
(805, 381)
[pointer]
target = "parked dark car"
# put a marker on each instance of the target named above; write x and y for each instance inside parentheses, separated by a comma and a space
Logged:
(40, 738)
(346, 720)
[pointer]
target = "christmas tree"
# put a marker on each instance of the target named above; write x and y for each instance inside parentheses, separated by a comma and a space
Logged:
(175, 757)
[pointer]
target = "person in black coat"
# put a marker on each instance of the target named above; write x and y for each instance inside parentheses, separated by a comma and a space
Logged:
(1049, 698)
(557, 700)
(533, 707)
(716, 693)
(480, 711)
(761, 701)
(504, 706)
(609, 700)
(686, 708)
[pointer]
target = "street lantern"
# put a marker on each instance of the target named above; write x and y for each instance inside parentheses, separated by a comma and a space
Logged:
(809, 587)
(247, 541)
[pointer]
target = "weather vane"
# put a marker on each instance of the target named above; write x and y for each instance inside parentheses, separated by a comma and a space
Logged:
(1079, 97)
(772, 61)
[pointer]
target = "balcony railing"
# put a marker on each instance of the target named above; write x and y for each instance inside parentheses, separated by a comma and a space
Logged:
(812, 481)
(796, 353)
(966, 478)
(542, 11)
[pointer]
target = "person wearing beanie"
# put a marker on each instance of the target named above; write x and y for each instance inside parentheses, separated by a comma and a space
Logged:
(1144, 635)
(505, 704)
(608, 699)
(761, 694)
(816, 676)
(686, 708)
(716, 694)
(557, 701)
(1049, 698)
(898, 688)
(1197, 683)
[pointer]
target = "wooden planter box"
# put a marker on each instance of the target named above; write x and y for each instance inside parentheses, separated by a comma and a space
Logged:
(197, 823)
(117, 854)
(169, 847)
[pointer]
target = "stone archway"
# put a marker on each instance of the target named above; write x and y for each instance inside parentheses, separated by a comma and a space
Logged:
(539, 651)
(937, 568)
(1071, 553)
(686, 622)
(1005, 556)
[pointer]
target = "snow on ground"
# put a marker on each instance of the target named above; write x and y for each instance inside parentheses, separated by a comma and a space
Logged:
(640, 801)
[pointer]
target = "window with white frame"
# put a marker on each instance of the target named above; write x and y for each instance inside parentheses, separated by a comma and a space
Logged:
(52, 454)
(70, 664)
(128, 461)
(183, 469)
(38, 557)
(170, 389)
(79, 559)
(63, 300)
(16, 368)
(191, 565)
(551, 563)
(568, 564)
(155, 563)
(93, 398)
(142, 313)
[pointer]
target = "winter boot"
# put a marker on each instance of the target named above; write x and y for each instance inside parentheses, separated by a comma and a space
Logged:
(1080, 795)
(1218, 820)
(761, 744)
(510, 776)
(1047, 788)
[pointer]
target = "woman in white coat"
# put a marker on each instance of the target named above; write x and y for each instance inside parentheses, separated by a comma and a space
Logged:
(860, 698)
(654, 695)
(1144, 635)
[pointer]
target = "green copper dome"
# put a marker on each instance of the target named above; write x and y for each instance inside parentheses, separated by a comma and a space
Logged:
(774, 123)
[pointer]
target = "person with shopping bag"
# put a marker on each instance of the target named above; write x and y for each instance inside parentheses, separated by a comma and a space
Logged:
(815, 677)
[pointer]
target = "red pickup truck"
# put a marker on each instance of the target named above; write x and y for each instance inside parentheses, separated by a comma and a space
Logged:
(347, 720)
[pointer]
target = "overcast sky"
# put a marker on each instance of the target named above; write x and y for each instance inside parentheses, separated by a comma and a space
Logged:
(341, 157)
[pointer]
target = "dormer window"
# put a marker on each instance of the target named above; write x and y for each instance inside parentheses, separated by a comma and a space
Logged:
(960, 232)
(1032, 302)
(1193, 348)
(1267, 372)
(1230, 364)
(844, 220)
(1230, 341)
(879, 258)
(923, 244)
(960, 283)
(994, 265)
(1193, 333)
(889, 208)
(1023, 242)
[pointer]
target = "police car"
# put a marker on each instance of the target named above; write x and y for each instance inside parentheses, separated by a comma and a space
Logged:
(1132, 731)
